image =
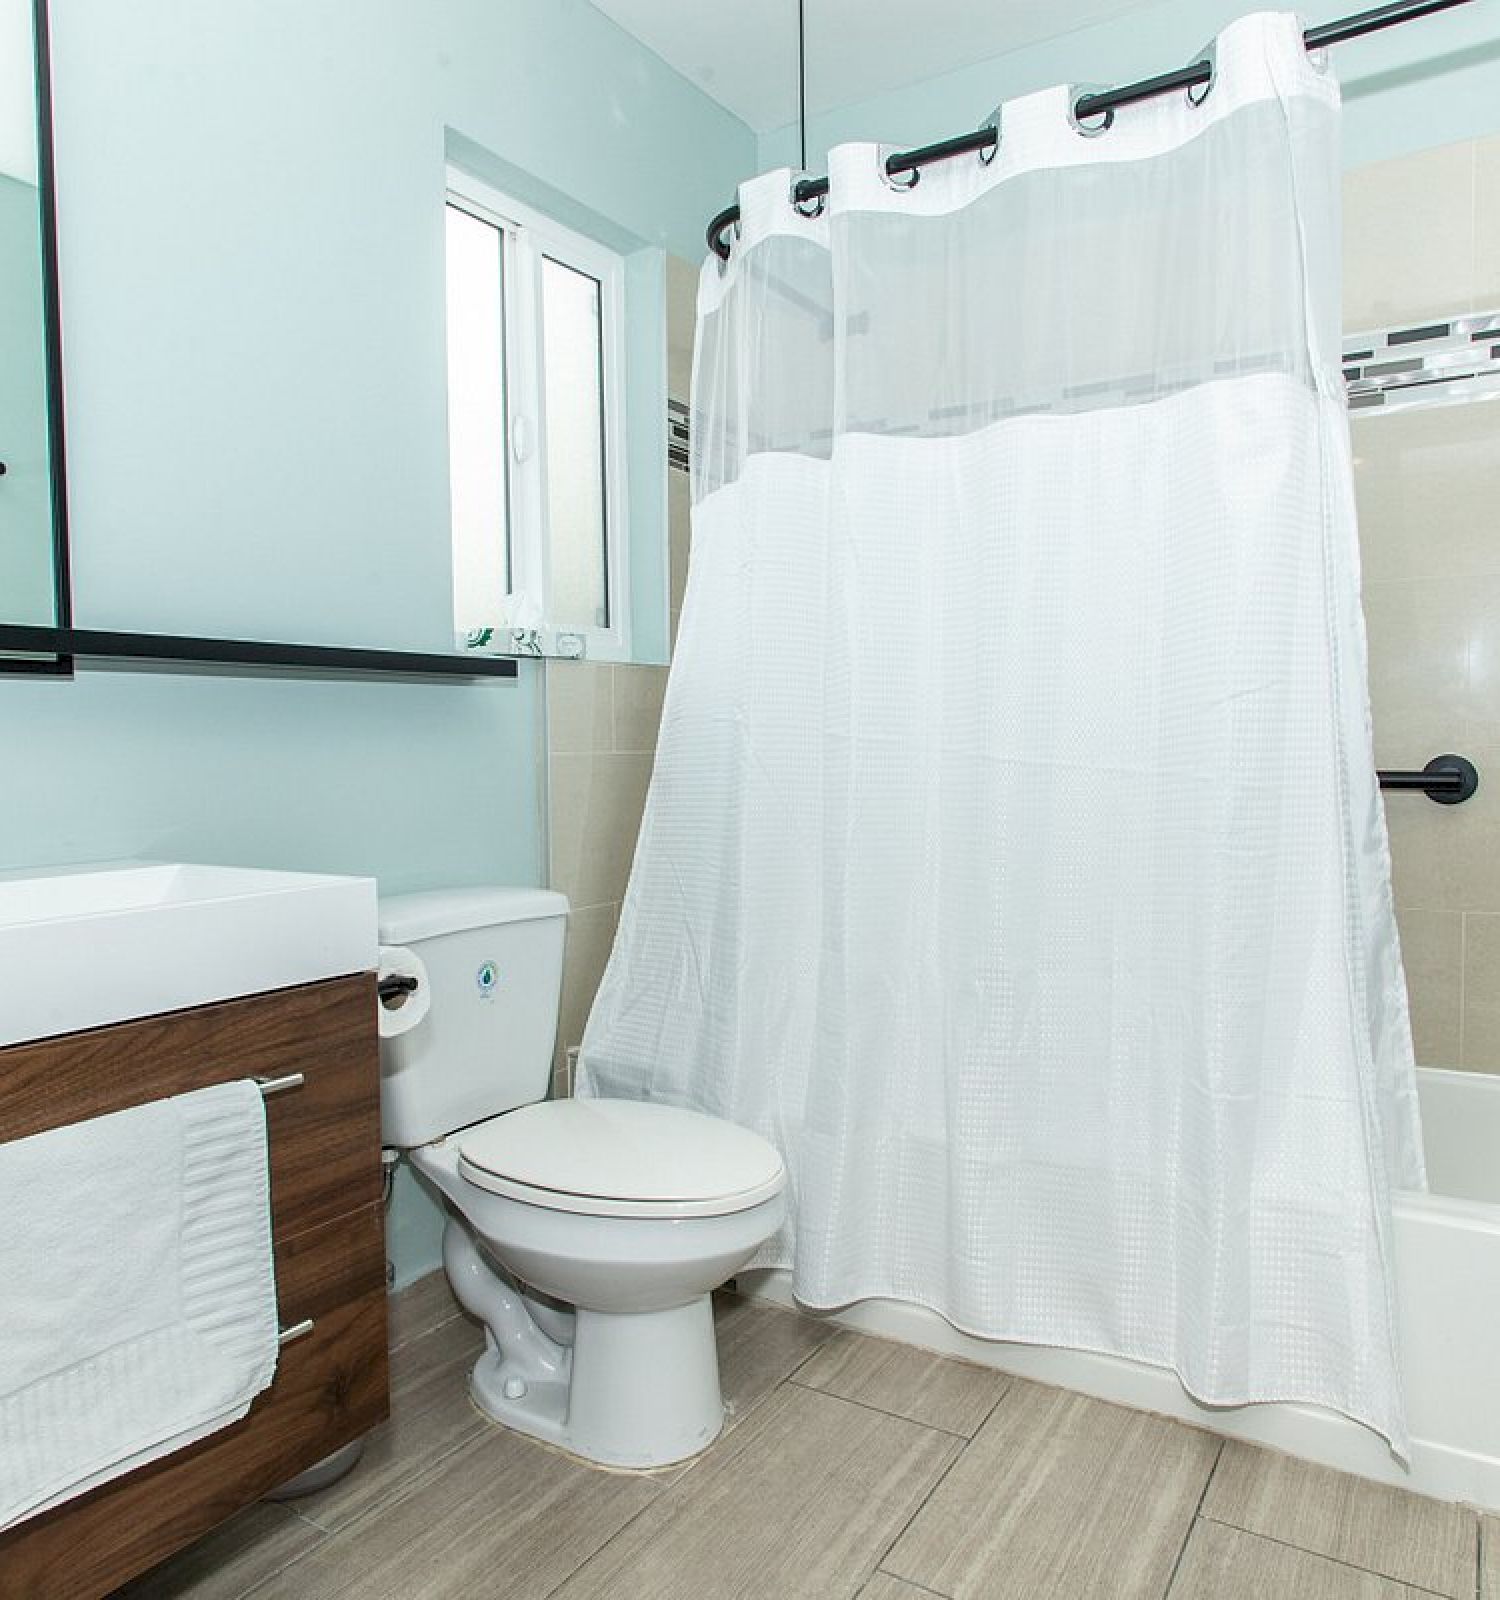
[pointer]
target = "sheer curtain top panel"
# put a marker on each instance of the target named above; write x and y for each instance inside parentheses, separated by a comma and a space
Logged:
(912, 291)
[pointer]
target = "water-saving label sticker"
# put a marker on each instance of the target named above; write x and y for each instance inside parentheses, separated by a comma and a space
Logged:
(486, 979)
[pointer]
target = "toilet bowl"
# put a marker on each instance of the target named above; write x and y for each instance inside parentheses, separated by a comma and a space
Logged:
(629, 1213)
(633, 1381)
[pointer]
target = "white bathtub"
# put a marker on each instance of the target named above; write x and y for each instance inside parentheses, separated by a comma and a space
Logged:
(1448, 1288)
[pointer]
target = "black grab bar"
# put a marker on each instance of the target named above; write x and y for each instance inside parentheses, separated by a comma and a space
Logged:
(1448, 780)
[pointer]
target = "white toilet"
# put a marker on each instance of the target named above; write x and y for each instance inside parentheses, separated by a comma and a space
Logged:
(628, 1212)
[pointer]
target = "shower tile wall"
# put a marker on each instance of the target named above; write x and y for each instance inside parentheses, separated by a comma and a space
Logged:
(601, 741)
(1422, 243)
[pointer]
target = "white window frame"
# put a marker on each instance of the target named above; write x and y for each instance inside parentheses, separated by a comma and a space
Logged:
(528, 237)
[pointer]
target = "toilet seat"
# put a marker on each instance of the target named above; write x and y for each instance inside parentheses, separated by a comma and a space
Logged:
(620, 1158)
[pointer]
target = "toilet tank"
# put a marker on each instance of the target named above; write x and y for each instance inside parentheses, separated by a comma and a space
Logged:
(494, 961)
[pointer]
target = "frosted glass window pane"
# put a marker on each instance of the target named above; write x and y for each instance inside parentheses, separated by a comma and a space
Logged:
(476, 419)
(574, 382)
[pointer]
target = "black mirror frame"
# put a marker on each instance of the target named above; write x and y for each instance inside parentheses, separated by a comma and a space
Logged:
(52, 649)
(52, 665)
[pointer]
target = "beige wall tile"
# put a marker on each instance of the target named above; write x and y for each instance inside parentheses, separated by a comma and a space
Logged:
(1446, 858)
(1489, 1577)
(1429, 1543)
(1487, 223)
(1427, 481)
(1432, 944)
(682, 314)
(580, 706)
(679, 531)
(591, 936)
(1419, 634)
(1411, 738)
(596, 803)
(1409, 238)
(1435, 686)
(1481, 1047)
(638, 696)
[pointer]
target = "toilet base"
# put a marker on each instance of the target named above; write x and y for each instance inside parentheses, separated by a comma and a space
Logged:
(641, 1390)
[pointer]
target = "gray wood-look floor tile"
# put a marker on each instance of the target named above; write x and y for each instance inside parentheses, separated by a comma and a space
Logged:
(501, 1518)
(759, 1345)
(1060, 1496)
(801, 1500)
(1224, 1563)
(419, 1308)
(231, 1560)
(942, 1393)
(431, 1415)
(1489, 1565)
(1427, 1543)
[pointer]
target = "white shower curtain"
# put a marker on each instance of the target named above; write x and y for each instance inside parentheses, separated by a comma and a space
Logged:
(1014, 859)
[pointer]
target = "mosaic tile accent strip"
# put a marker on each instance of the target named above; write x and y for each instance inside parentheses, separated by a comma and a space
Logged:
(677, 435)
(1433, 364)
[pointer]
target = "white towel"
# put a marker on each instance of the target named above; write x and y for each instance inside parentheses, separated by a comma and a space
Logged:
(137, 1290)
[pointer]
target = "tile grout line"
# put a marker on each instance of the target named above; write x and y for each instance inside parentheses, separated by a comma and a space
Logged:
(407, 1485)
(1322, 1555)
(1479, 1558)
(666, 1490)
(1463, 967)
(880, 1410)
(411, 1339)
(909, 1583)
(926, 1500)
(629, 1522)
(261, 1582)
(1193, 1521)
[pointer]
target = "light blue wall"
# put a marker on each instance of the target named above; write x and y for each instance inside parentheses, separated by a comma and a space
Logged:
(252, 279)
(1426, 83)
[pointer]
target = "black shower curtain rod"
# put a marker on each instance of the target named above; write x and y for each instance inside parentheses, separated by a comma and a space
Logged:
(1104, 104)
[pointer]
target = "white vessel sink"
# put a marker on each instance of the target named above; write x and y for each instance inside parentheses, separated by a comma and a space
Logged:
(84, 946)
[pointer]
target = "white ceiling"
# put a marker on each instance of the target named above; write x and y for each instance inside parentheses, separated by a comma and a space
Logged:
(744, 52)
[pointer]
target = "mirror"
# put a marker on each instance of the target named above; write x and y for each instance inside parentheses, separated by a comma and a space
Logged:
(32, 537)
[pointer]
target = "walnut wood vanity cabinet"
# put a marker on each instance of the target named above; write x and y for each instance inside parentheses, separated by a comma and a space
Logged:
(324, 1137)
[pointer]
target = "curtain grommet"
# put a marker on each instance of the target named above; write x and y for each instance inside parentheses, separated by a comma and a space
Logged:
(1198, 93)
(1089, 130)
(899, 181)
(800, 203)
(731, 237)
(991, 121)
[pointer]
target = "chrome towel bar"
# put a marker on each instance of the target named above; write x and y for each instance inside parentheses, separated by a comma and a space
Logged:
(268, 1087)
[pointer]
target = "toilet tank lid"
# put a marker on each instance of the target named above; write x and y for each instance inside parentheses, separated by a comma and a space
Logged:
(407, 918)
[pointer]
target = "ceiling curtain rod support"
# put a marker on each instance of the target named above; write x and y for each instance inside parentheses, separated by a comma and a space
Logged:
(802, 80)
(1104, 103)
